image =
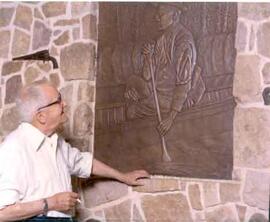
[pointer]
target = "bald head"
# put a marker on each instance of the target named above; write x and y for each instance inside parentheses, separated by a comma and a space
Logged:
(30, 98)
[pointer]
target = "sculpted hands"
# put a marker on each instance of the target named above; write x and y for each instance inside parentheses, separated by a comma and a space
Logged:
(62, 201)
(132, 94)
(166, 123)
(132, 178)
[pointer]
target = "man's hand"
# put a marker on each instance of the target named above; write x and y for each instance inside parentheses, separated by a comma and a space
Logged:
(133, 178)
(62, 201)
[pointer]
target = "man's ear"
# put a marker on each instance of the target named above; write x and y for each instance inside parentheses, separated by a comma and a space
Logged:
(41, 117)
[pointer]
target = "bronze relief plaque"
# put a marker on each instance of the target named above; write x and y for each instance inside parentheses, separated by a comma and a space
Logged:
(164, 88)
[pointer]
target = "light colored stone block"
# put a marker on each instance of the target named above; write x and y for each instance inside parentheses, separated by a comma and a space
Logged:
(195, 196)
(78, 61)
(79, 8)
(263, 39)
(23, 17)
(13, 85)
(251, 137)
(9, 120)
(210, 193)
(169, 208)
(241, 212)
(5, 16)
(20, 44)
(11, 67)
(119, 213)
(247, 82)
(157, 185)
(86, 92)
(83, 120)
(266, 73)
(256, 189)
(103, 191)
(241, 36)
(62, 39)
(89, 23)
(4, 43)
(41, 35)
(229, 192)
(254, 11)
(67, 22)
(222, 213)
(31, 74)
(52, 9)
(137, 217)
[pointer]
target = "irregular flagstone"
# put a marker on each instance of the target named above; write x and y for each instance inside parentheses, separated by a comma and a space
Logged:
(241, 212)
(89, 27)
(119, 213)
(229, 192)
(263, 37)
(81, 144)
(222, 213)
(254, 11)
(195, 196)
(31, 74)
(136, 214)
(103, 191)
(210, 191)
(168, 207)
(45, 66)
(38, 14)
(13, 85)
(86, 92)
(266, 73)
(83, 120)
(78, 61)
(67, 22)
(251, 138)
(42, 35)
(247, 84)
(157, 185)
(21, 43)
(11, 67)
(55, 80)
(0, 100)
(5, 16)
(23, 17)
(9, 120)
(241, 36)
(51, 9)
(256, 189)
(79, 8)
(4, 43)
(62, 39)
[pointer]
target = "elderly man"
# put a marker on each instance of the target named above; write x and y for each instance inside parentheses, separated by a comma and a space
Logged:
(36, 164)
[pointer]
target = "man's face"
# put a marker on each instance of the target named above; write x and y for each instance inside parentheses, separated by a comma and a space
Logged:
(54, 110)
(164, 17)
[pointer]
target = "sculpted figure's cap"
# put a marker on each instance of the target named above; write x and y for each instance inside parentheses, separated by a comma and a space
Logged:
(176, 5)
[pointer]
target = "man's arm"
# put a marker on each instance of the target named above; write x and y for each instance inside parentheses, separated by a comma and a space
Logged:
(130, 178)
(59, 202)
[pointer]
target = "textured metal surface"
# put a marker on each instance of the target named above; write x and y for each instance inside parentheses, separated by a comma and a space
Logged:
(189, 49)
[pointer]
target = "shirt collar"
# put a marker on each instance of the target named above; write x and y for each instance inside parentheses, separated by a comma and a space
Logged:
(37, 138)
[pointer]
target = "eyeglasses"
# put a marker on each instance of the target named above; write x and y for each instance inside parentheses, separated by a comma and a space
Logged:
(58, 101)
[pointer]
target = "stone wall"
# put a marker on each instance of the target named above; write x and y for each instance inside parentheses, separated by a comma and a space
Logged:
(69, 31)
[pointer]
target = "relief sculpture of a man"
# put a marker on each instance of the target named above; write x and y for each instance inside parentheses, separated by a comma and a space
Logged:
(172, 61)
